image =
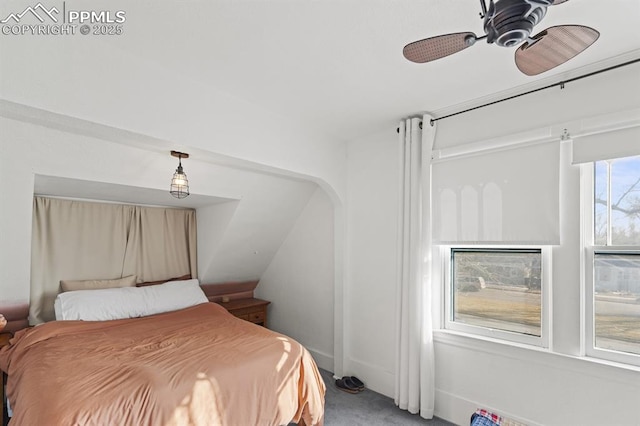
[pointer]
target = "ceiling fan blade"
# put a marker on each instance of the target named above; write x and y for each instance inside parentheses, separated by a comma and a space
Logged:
(557, 2)
(437, 47)
(552, 47)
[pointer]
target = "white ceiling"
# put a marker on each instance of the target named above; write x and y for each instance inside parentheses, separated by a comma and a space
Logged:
(334, 65)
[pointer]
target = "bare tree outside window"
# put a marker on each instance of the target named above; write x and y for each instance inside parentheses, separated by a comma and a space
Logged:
(617, 202)
(617, 270)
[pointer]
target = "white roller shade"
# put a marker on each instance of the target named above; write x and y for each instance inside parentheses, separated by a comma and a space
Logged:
(500, 197)
(607, 145)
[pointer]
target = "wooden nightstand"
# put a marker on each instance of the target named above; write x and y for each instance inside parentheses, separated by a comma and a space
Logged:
(4, 340)
(252, 310)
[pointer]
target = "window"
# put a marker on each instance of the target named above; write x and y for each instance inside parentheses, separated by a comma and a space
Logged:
(498, 292)
(613, 275)
(617, 202)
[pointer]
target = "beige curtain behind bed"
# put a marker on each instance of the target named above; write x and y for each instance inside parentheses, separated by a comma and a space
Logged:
(77, 240)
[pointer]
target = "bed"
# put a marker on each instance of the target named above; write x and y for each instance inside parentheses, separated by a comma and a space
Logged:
(194, 366)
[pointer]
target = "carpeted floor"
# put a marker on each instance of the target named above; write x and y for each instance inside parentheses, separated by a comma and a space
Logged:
(366, 408)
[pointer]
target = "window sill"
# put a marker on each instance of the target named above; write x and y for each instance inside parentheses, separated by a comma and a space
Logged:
(596, 367)
(476, 341)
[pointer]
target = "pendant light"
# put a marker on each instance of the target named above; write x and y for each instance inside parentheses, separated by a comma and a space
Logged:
(179, 182)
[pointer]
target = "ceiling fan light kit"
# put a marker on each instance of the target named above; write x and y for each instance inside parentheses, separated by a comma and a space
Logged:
(508, 23)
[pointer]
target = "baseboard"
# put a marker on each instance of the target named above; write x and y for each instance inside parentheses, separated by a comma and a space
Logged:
(374, 377)
(458, 410)
(322, 359)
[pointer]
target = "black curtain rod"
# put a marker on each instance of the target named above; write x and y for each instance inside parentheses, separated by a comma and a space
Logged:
(560, 83)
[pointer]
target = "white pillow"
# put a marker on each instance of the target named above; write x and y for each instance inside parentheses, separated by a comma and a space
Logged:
(128, 302)
(72, 285)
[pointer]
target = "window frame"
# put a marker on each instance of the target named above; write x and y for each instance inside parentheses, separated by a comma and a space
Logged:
(590, 249)
(541, 341)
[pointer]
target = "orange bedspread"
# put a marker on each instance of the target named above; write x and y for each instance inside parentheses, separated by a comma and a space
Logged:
(197, 366)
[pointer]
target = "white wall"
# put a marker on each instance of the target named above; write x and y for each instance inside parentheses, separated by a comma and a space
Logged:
(538, 387)
(299, 281)
(370, 298)
(534, 387)
(255, 229)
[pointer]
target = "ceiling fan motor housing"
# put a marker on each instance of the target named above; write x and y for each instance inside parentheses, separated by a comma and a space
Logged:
(510, 22)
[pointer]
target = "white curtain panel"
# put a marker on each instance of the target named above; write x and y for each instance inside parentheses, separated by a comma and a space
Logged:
(415, 386)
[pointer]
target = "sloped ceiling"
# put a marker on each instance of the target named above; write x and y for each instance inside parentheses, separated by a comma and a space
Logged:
(335, 65)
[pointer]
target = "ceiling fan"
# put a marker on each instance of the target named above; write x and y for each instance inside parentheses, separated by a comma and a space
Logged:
(508, 23)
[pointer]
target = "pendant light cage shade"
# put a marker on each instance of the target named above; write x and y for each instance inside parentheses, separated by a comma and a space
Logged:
(179, 182)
